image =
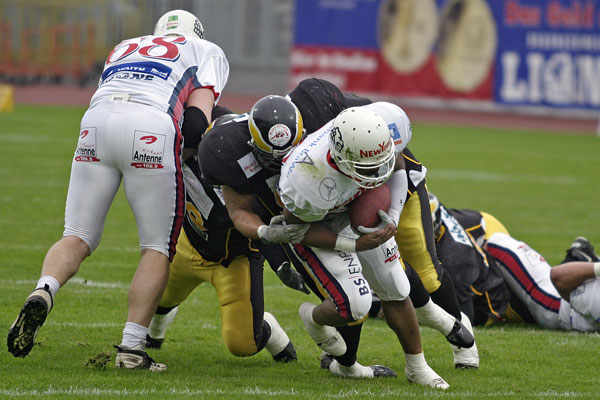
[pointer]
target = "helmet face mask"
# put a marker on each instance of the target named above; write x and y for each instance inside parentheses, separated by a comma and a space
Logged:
(180, 23)
(275, 126)
(362, 147)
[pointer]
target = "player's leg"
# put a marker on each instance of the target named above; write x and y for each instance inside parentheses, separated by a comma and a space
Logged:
(246, 328)
(417, 246)
(350, 333)
(383, 270)
(153, 182)
(182, 281)
(527, 274)
(92, 187)
(433, 316)
(346, 300)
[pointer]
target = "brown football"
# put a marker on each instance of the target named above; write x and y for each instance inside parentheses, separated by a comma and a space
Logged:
(363, 210)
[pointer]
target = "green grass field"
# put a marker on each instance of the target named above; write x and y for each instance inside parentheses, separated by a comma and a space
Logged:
(544, 187)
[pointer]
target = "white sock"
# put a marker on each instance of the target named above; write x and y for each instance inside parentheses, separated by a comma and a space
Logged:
(159, 324)
(415, 362)
(52, 283)
(134, 335)
(435, 317)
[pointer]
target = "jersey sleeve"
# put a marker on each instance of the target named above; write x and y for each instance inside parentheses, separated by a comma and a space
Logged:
(213, 70)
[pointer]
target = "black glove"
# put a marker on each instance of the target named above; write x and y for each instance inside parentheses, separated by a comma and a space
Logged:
(291, 278)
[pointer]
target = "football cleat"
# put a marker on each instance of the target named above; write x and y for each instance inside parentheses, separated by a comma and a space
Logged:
(582, 250)
(357, 370)
(426, 377)
(326, 337)
(279, 344)
(152, 343)
(460, 336)
(466, 358)
(136, 358)
(22, 333)
(326, 360)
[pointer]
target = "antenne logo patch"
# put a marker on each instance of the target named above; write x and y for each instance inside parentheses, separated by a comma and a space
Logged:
(148, 150)
(86, 146)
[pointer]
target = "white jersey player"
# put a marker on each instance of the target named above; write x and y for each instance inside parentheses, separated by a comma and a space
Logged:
(354, 152)
(154, 91)
(535, 283)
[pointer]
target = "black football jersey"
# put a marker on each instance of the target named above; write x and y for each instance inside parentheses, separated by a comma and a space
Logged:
(207, 224)
(319, 101)
(474, 274)
(226, 158)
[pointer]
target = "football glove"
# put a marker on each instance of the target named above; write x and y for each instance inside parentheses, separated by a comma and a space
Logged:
(279, 232)
(291, 278)
(385, 220)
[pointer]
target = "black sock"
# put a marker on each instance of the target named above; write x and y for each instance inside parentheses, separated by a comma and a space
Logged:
(445, 297)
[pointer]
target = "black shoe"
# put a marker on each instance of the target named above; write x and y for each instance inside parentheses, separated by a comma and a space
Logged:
(581, 250)
(136, 358)
(288, 354)
(380, 371)
(24, 330)
(326, 360)
(152, 343)
(460, 336)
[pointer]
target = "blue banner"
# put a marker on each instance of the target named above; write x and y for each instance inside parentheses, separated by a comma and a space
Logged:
(511, 52)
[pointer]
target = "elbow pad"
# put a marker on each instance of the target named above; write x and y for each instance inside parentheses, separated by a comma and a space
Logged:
(398, 184)
(193, 127)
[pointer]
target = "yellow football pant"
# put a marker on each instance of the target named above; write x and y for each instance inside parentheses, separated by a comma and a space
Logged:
(233, 285)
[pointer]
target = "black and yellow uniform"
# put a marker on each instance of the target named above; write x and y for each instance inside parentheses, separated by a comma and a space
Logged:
(416, 242)
(226, 159)
(479, 285)
(211, 250)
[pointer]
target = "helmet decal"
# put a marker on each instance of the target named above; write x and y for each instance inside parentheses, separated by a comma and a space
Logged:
(280, 135)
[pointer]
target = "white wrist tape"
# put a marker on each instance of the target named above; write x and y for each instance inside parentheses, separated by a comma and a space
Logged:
(597, 269)
(344, 243)
(261, 231)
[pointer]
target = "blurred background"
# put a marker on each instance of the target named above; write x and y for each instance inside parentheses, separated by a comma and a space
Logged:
(529, 63)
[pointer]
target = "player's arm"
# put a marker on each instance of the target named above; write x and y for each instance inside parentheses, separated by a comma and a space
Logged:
(398, 184)
(566, 277)
(239, 207)
(318, 235)
(196, 118)
(249, 224)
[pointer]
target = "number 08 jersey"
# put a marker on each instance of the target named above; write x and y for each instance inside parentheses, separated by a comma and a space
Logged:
(161, 71)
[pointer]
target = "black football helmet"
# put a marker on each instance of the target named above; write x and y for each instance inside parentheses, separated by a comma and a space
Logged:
(275, 127)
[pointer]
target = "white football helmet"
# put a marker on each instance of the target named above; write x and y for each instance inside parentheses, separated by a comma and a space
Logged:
(361, 145)
(179, 22)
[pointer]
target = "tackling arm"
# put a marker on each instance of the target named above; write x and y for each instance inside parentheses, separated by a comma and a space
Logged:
(239, 207)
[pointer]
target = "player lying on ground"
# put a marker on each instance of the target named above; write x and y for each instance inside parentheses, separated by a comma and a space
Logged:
(499, 278)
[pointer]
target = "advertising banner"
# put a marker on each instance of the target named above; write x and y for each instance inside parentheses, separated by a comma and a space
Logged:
(513, 52)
